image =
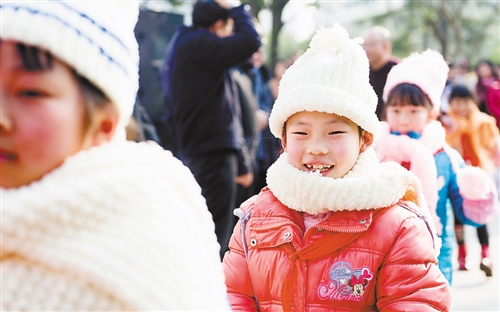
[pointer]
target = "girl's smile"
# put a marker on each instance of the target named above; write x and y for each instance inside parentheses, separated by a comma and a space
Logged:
(319, 168)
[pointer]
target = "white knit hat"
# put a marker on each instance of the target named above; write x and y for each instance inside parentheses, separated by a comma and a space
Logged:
(331, 77)
(427, 70)
(96, 38)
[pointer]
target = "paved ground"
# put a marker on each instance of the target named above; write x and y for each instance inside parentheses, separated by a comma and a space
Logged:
(472, 290)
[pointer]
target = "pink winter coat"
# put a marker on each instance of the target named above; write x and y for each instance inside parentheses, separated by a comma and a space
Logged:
(362, 260)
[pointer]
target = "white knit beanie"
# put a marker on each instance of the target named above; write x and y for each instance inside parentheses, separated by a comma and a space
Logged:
(427, 70)
(96, 38)
(331, 77)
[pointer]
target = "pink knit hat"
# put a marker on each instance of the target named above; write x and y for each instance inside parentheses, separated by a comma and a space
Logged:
(427, 70)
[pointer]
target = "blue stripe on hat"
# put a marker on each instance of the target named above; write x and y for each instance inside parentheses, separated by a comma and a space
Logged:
(77, 30)
(102, 28)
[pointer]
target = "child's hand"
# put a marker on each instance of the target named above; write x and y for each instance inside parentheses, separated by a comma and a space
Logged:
(474, 183)
(262, 118)
(448, 123)
(245, 180)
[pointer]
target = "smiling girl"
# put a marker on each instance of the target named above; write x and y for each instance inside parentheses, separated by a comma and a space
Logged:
(414, 138)
(335, 230)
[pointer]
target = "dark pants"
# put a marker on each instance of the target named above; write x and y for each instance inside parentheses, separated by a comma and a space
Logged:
(215, 173)
(482, 234)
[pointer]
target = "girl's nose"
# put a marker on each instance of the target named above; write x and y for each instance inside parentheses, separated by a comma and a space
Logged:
(317, 147)
(404, 119)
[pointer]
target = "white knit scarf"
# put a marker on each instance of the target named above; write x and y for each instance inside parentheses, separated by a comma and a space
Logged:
(120, 217)
(433, 136)
(368, 185)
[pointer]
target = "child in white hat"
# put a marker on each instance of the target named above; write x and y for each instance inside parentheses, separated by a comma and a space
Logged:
(414, 138)
(91, 221)
(335, 229)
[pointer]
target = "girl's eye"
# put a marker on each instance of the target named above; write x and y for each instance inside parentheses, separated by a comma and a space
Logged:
(299, 133)
(336, 132)
(30, 93)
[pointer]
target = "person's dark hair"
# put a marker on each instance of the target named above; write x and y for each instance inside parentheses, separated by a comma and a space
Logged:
(408, 93)
(34, 59)
(465, 64)
(207, 12)
(461, 91)
(491, 65)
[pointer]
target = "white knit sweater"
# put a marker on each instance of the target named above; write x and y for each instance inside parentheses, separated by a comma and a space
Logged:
(119, 227)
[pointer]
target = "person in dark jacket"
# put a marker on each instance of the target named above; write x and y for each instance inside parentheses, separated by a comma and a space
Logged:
(269, 147)
(378, 48)
(202, 108)
(243, 76)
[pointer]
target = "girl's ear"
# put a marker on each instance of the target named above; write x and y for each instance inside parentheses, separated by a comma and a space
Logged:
(104, 126)
(367, 139)
(283, 140)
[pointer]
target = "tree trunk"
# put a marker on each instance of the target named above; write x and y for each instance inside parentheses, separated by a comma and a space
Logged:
(255, 7)
(276, 10)
(457, 27)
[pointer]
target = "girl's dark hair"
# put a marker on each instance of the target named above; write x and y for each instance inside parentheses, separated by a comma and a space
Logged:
(461, 91)
(491, 65)
(408, 93)
(35, 59)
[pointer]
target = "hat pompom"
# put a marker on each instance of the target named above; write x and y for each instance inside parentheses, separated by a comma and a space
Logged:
(430, 57)
(332, 39)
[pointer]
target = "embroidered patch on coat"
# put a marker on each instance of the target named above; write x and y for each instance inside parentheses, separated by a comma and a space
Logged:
(346, 283)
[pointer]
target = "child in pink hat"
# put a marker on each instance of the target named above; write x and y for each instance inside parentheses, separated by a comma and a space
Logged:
(414, 138)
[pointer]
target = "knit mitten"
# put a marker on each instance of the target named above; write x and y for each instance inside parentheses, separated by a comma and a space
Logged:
(480, 202)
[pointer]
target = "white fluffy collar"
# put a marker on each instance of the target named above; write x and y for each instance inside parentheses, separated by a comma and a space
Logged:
(433, 136)
(368, 185)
